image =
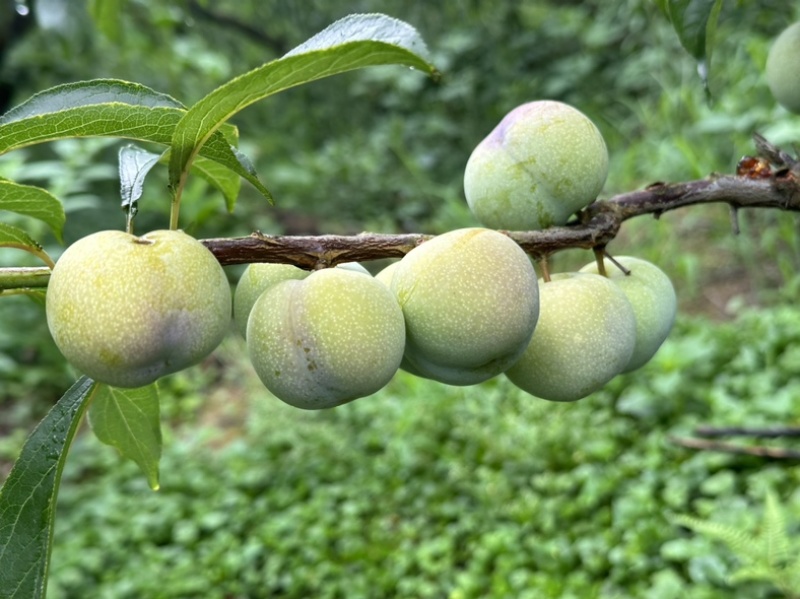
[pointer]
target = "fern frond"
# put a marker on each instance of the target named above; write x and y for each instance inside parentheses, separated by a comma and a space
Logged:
(777, 544)
(743, 544)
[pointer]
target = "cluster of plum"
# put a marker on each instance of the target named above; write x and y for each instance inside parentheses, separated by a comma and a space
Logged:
(460, 308)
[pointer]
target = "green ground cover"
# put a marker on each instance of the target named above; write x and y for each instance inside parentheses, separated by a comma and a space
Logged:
(425, 490)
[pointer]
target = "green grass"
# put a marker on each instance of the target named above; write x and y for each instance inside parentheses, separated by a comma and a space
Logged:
(425, 490)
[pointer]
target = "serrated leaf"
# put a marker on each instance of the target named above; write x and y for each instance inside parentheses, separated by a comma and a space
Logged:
(111, 108)
(351, 43)
(83, 94)
(35, 202)
(695, 22)
(128, 420)
(28, 497)
(221, 178)
(14, 237)
(134, 164)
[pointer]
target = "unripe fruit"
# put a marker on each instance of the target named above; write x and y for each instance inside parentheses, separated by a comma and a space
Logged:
(470, 301)
(652, 297)
(545, 161)
(255, 279)
(386, 274)
(584, 338)
(258, 277)
(783, 68)
(127, 310)
(327, 339)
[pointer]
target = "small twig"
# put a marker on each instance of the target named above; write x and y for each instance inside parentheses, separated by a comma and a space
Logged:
(730, 431)
(618, 264)
(734, 212)
(755, 450)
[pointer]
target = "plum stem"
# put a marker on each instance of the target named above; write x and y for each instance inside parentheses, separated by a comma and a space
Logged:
(617, 263)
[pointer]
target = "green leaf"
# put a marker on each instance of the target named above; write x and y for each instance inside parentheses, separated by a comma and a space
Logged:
(223, 179)
(695, 22)
(106, 16)
(128, 419)
(28, 497)
(110, 108)
(351, 43)
(13, 237)
(35, 202)
(776, 539)
(742, 543)
(134, 164)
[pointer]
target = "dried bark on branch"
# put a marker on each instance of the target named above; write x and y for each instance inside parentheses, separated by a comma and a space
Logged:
(770, 181)
(596, 226)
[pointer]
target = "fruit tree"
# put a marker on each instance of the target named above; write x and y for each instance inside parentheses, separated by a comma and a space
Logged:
(128, 307)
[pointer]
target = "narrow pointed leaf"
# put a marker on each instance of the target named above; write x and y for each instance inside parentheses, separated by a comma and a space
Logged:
(128, 419)
(35, 295)
(35, 202)
(14, 237)
(134, 164)
(83, 94)
(221, 178)
(695, 22)
(110, 108)
(28, 497)
(351, 43)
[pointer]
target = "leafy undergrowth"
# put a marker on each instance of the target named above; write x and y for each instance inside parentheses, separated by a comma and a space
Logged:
(431, 491)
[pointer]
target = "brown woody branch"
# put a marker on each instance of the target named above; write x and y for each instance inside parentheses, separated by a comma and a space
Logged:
(770, 181)
(595, 227)
(753, 450)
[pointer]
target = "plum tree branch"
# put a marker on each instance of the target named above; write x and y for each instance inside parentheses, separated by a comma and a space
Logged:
(596, 226)
(756, 185)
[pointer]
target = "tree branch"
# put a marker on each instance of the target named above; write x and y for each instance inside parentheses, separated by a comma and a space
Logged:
(754, 450)
(755, 186)
(596, 226)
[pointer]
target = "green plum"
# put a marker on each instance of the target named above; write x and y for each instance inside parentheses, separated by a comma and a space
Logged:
(585, 337)
(470, 302)
(783, 68)
(257, 277)
(652, 297)
(386, 274)
(327, 339)
(544, 162)
(127, 310)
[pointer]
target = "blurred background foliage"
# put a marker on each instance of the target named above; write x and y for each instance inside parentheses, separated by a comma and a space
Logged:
(477, 492)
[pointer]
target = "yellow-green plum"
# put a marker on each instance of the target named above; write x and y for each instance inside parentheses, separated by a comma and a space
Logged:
(327, 339)
(542, 163)
(652, 297)
(470, 301)
(585, 337)
(386, 273)
(127, 310)
(783, 68)
(255, 279)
